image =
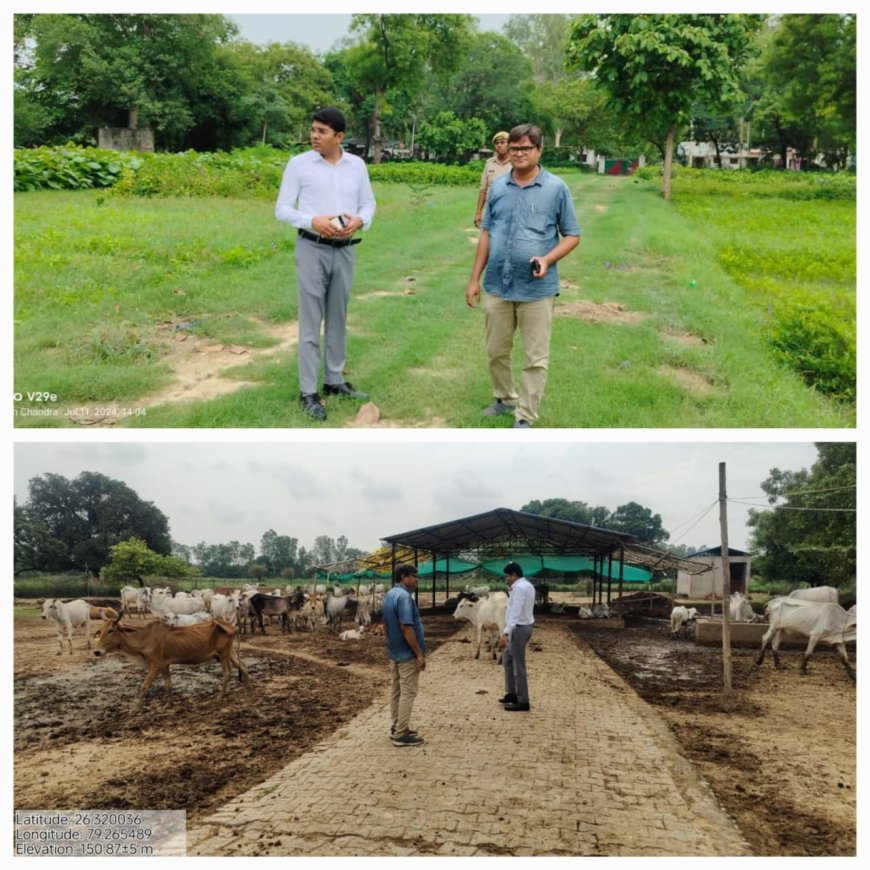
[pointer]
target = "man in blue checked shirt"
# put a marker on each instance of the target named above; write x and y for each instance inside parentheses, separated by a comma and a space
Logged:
(529, 223)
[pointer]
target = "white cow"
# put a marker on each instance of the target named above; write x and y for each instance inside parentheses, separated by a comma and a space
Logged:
(815, 620)
(681, 617)
(135, 599)
(353, 633)
(484, 613)
(67, 616)
(206, 595)
(313, 611)
(223, 607)
(826, 594)
(739, 608)
(363, 610)
(180, 620)
(335, 608)
(584, 612)
(164, 605)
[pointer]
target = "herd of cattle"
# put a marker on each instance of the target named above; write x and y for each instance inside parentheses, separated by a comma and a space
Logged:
(814, 614)
(192, 628)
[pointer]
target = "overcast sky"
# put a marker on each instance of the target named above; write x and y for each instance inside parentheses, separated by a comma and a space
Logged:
(320, 32)
(222, 491)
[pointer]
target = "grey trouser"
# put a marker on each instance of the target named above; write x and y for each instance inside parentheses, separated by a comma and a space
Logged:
(404, 677)
(514, 660)
(323, 280)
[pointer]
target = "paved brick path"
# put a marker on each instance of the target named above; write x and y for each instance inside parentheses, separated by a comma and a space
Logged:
(590, 770)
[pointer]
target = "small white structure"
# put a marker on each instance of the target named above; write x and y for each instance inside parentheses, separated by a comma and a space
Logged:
(710, 582)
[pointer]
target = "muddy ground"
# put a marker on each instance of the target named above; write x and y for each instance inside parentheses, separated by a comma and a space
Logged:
(781, 762)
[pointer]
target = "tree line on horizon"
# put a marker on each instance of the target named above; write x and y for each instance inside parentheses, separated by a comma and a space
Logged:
(806, 535)
(616, 84)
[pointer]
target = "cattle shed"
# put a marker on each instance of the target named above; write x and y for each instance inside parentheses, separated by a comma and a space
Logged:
(504, 535)
(708, 583)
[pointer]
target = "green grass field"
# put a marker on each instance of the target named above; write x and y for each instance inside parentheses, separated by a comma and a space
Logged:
(656, 326)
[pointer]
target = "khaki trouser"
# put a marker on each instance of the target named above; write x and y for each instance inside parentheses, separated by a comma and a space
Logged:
(535, 321)
(404, 677)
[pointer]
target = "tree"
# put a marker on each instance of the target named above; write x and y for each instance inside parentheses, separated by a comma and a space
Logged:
(571, 511)
(639, 521)
(85, 71)
(397, 50)
(808, 537)
(278, 552)
(451, 138)
(809, 100)
(79, 521)
(654, 68)
(283, 86)
(131, 561)
(493, 84)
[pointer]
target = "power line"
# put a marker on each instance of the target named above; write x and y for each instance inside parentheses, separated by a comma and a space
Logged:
(700, 517)
(785, 507)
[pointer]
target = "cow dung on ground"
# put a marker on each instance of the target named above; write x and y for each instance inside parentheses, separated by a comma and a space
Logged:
(782, 762)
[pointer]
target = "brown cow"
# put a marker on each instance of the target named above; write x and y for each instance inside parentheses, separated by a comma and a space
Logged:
(156, 646)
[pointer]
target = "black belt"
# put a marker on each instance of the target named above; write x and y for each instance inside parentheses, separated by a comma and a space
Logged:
(333, 243)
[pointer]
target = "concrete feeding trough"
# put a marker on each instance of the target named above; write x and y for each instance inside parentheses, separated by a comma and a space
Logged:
(709, 631)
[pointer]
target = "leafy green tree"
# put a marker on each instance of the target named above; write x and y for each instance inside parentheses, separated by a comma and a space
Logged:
(809, 534)
(398, 50)
(451, 138)
(224, 560)
(131, 561)
(571, 511)
(283, 85)
(84, 71)
(654, 68)
(639, 521)
(35, 547)
(493, 84)
(278, 552)
(86, 517)
(809, 96)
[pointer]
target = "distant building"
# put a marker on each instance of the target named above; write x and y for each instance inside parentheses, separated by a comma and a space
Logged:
(710, 582)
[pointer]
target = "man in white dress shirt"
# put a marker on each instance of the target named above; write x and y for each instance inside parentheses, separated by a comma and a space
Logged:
(327, 196)
(517, 633)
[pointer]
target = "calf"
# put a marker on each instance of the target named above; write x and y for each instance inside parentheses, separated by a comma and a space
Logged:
(681, 617)
(739, 608)
(156, 646)
(815, 620)
(67, 616)
(352, 633)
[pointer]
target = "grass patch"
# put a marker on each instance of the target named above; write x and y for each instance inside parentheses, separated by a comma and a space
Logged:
(106, 289)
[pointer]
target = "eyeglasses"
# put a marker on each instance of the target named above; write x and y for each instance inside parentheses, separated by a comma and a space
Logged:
(521, 149)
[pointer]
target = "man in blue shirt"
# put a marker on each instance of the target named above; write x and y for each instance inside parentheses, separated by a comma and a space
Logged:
(406, 647)
(527, 211)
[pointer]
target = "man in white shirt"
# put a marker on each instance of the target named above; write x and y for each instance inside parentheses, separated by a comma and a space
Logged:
(517, 633)
(327, 196)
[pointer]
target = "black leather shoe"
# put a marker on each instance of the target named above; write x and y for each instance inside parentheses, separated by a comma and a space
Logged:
(311, 405)
(508, 699)
(345, 389)
(517, 706)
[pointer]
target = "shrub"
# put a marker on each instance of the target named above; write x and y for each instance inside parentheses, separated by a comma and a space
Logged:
(70, 167)
(819, 346)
